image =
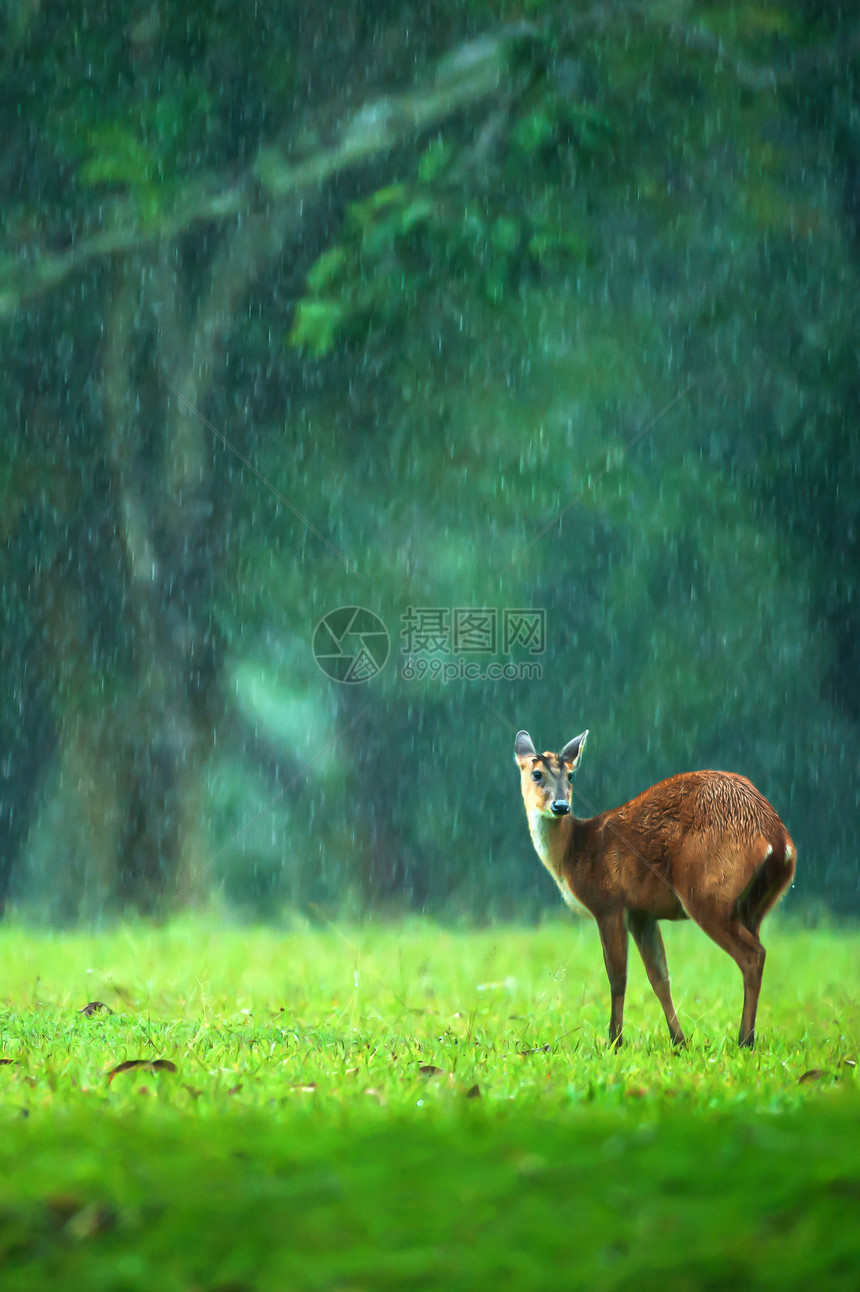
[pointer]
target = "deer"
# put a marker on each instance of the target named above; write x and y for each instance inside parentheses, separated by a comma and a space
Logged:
(705, 846)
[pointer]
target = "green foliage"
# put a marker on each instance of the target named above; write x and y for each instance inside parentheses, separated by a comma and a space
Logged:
(449, 229)
(494, 315)
(144, 150)
(417, 1107)
(317, 323)
(404, 235)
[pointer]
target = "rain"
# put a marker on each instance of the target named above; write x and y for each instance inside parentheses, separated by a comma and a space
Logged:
(380, 380)
(360, 311)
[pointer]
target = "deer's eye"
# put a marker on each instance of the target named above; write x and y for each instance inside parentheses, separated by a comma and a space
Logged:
(570, 777)
(537, 777)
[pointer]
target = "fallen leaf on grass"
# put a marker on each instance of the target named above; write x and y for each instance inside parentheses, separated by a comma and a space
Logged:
(91, 1220)
(474, 1092)
(93, 1007)
(814, 1074)
(849, 1063)
(307, 1089)
(538, 1049)
(350, 1072)
(193, 1091)
(430, 1070)
(234, 1090)
(373, 1093)
(149, 1065)
(3, 1062)
(636, 1092)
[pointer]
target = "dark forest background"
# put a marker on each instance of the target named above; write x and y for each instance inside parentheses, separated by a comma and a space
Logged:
(305, 306)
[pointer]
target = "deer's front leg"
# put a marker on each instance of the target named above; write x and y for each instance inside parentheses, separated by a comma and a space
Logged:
(613, 937)
(649, 940)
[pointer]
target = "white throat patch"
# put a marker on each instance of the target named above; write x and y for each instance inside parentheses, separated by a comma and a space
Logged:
(540, 829)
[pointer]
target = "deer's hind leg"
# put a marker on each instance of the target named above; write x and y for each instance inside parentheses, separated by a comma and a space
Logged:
(723, 926)
(744, 883)
(649, 941)
(766, 887)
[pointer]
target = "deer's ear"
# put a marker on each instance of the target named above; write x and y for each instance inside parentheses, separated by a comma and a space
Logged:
(572, 752)
(523, 746)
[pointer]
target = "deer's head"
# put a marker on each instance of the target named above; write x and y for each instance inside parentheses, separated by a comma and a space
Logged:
(546, 779)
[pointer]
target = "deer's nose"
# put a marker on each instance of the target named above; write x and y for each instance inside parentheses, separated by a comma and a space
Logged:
(560, 807)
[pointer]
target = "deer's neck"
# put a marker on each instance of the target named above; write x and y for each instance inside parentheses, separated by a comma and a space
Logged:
(551, 837)
(556, 841)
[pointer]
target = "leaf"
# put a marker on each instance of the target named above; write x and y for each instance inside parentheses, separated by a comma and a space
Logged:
(435, 160)
(474, 1092)
(381, 205)
(533, 132)
(316, 324)
(417, 212)
(93, 1007)
(96, 1218)
(326, 269)
(117, 157)
(814, 1074)
(148, 1065)
(3, 1062)
(379, 238)
(391, 195)
(430, 1070)
(538, 1049)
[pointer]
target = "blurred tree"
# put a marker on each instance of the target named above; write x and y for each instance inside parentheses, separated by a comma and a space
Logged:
(171, 253)
(428, 274)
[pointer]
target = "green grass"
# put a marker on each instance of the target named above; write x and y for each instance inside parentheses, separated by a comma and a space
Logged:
(298, 1144)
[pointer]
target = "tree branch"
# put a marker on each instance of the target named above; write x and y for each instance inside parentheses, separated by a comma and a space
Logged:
(468, 75)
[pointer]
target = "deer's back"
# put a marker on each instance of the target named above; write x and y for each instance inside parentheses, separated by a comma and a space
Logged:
(693, 833)
(707, 803)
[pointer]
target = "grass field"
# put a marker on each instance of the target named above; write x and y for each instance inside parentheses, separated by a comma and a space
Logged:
(413, 1107)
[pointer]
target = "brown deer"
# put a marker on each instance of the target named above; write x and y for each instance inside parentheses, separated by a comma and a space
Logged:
(703, 845)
